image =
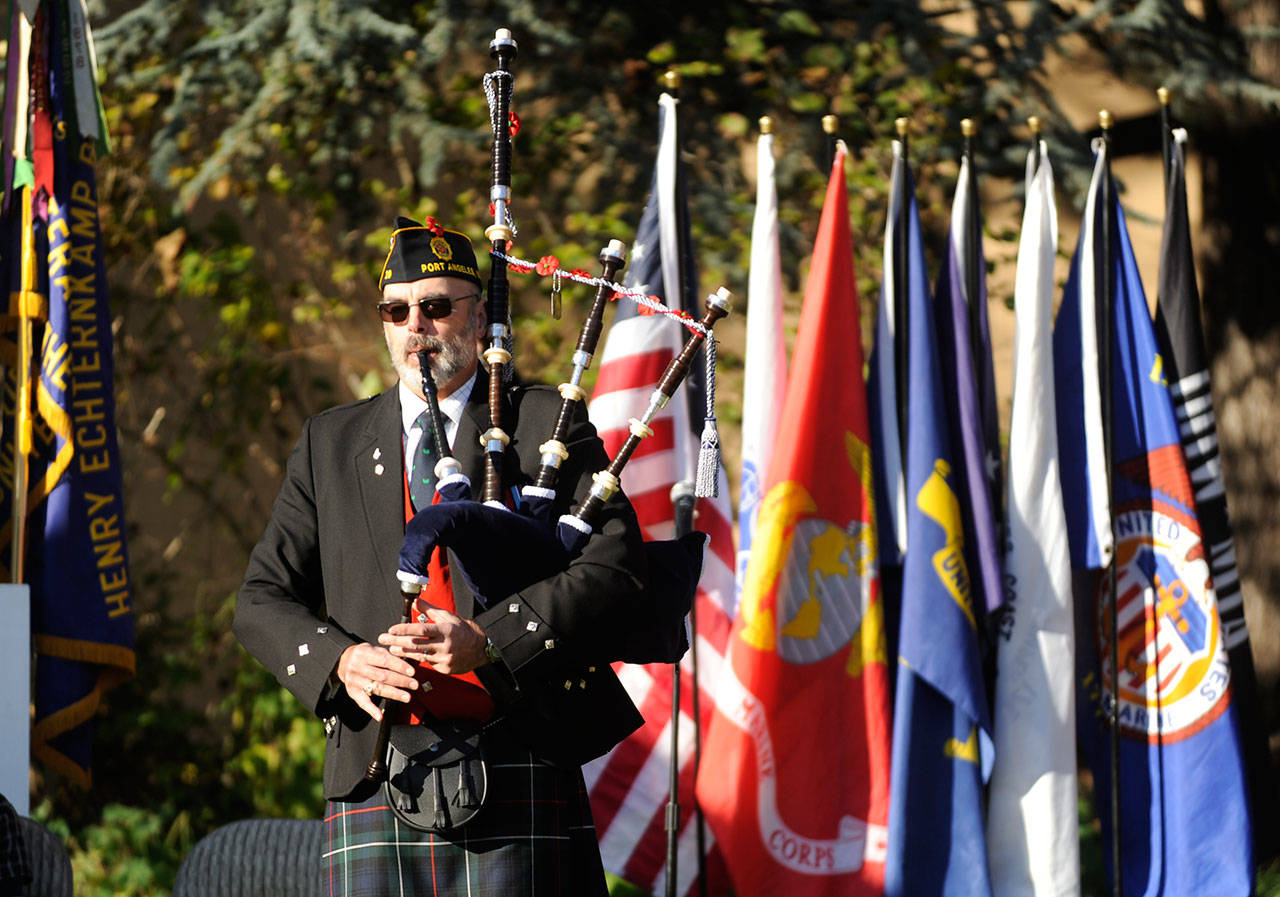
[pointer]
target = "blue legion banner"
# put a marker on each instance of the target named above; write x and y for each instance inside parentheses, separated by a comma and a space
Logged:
(1184, 820)
(942, 747)
(78, 564)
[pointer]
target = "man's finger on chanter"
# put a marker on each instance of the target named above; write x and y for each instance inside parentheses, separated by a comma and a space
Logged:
(412, 636)
(392, 685)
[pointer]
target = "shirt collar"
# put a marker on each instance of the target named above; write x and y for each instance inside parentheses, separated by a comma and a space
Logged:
(451, 406)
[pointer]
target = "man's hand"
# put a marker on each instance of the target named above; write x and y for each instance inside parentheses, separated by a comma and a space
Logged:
(370, 672)
(446, 641)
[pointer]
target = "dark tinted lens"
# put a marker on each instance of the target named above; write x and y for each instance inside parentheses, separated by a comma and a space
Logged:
(393, 312)
(436, 307)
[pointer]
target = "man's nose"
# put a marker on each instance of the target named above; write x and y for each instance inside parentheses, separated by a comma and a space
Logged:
(418, 319)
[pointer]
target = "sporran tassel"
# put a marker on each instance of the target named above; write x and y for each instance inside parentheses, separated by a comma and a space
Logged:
(466, 798)
(442, 812)
(708, 481)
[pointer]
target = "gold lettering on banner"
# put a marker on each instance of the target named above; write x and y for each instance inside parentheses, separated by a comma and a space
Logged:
(108, 549)
(938, 501)
(73, 364)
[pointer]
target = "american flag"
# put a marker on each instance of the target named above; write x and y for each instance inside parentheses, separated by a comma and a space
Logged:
(629, 786)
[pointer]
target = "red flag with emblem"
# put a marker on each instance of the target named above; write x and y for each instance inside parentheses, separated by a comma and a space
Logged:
(795, 776)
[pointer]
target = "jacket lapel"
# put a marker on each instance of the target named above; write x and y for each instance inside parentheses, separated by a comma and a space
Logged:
(379, 464)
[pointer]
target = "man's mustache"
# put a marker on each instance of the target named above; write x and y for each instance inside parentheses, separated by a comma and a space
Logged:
(418, 343)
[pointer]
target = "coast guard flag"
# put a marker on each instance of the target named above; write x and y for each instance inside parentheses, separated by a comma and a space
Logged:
(964, 344)
(765, 377)
(77, 560)
(628, 786)
(1184, 819)
(941, 725)
(1032, 832)
(794, 777)
(1181, 341)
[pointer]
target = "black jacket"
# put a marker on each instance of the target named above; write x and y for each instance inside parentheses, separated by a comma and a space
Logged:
(322, 577)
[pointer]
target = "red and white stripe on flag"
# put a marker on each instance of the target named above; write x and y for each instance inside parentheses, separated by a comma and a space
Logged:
(629, 786)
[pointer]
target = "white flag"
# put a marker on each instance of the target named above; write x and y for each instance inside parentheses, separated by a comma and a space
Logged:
(1031, 824)
(765, 381)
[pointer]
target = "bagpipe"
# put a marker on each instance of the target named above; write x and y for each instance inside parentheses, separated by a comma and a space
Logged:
(535, 547)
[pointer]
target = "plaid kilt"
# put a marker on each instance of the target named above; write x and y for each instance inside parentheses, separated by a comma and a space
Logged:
(534, 838)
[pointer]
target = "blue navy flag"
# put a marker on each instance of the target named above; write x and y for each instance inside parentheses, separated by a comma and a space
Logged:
(1184, 817)
(964, 344)
(1186, 370)
(942, 746)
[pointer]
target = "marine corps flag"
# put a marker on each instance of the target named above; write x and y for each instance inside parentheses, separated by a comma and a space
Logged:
(796, 763)
(76, 560)
(1184, 820)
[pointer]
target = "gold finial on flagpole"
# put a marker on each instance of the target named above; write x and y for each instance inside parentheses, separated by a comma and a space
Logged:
(766, 125)
(968, 128)
(1104, 119)
(829, 123)
(1163, 94)
(1034, 124)
(671, 79)
(902, 125)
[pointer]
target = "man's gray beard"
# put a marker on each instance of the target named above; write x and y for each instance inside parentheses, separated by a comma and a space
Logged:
(447, 362)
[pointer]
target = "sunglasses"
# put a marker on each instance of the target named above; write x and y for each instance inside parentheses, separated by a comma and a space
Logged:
(396, 311)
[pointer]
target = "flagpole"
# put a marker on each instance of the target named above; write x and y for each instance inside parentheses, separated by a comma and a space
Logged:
(671, 81)
(1166, 136)
(829, 125)
(902, 297)
(1034, 124)
(1106, 335)
(28, 298)
(972, 242)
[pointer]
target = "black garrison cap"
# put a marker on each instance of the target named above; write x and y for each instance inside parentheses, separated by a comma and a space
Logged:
(427, 250)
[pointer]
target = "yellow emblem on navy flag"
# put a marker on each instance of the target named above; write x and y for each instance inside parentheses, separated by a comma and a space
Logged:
(440, 246)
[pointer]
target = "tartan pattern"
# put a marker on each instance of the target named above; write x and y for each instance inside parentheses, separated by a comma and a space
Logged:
(534, 838)
(15, 868)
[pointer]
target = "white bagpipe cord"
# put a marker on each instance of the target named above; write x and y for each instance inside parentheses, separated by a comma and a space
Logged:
(707, 484)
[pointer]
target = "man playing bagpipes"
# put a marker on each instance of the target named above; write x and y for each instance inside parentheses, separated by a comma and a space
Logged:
(459, 650)
(492, 701)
